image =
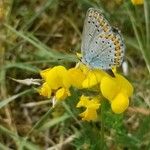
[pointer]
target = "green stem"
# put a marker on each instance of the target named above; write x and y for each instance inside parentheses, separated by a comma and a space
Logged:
(102, 124)
(146, 12)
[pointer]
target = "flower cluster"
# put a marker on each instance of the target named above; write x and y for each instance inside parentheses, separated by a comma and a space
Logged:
(116, 90)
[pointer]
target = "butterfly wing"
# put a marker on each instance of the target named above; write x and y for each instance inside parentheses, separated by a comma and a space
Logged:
(109, 51)
(102, 47)
(92, 27)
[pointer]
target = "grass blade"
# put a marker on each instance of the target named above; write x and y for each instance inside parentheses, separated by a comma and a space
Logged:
(146, 12)
(10, 99)
(54, 121)
(21, 141)
(23, 66)
(144, 52)
(39, 45)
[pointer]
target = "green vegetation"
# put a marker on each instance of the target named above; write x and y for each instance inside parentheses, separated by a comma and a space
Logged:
(35, 35)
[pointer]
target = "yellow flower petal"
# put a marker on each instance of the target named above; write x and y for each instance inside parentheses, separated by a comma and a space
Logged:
(93, 77)
(90, 102)
(83, 101)
(45, 90)
(76, 77)
(137, 2)
(109, 87)
(120, 103)
(62, 93)
(126, 86)
(89, 115)
(57, 77)
(91, 105)
(44, 73)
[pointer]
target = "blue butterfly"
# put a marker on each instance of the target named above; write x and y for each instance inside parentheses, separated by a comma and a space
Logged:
(102, 45)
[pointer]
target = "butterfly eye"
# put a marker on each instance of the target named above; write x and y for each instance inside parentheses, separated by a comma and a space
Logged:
(88, 21)
(102, 41)
(96, 42)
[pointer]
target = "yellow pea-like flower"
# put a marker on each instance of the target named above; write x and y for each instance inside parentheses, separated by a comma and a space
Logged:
(76, 77)
(125, 85)
(109, 87)
(45, 90)
(91, 105)
(44, 73)
(93, 78)
(117, 90)
(56, 77)
(62, 93)
(120, 103)
(89, 115)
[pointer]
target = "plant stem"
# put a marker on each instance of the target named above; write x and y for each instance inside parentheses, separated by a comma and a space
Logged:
(102, 124)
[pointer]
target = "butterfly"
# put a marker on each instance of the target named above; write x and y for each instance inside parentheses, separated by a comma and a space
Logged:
(102, 45)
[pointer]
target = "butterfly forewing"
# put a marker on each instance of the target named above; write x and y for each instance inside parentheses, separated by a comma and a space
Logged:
(93, 26)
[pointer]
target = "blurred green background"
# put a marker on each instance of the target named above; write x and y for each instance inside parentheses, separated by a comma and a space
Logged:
(37, 34)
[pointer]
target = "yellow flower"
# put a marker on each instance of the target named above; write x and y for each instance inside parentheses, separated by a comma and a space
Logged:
(111, 86)
(89, 115)
(137, 2)
(62, 93)
(93, 78)
(116, 90)
(91, 105)
(45, 90)
(56, 77)
(44, 73)
(57, 81)
(83, 67)
(83, 77)
(76, 77)
(125, 85)
(120, 103)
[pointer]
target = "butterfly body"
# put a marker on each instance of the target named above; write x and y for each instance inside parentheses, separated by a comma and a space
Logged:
(102, 45)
